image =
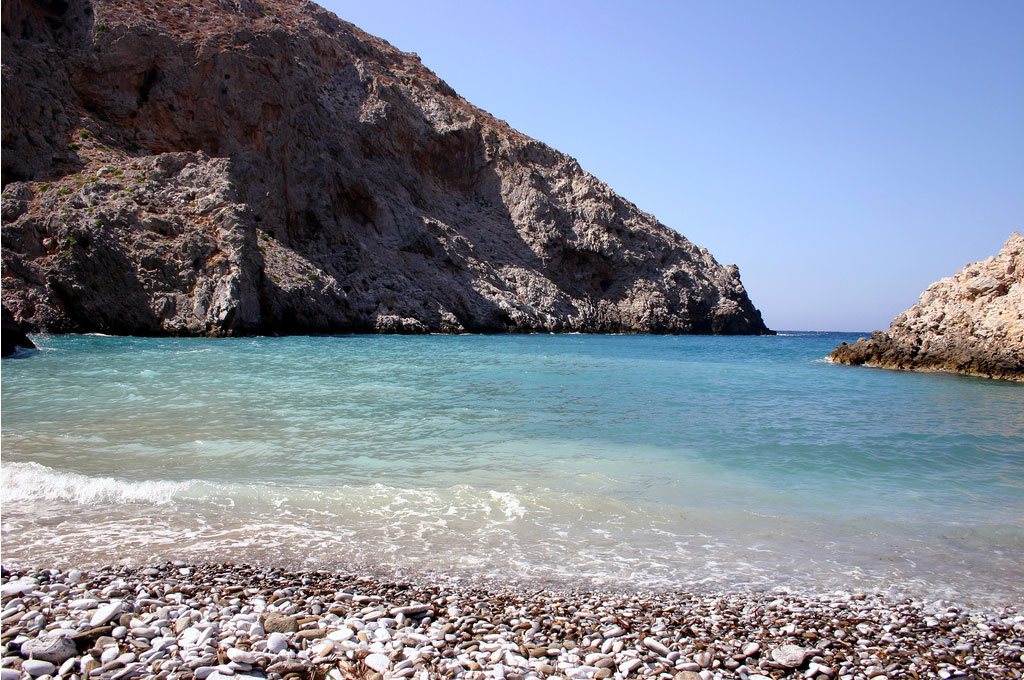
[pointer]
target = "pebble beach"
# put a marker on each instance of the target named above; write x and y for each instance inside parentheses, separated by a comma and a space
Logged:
(180, 621)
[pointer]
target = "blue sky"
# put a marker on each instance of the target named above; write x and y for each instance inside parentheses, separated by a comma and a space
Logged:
(844, 155)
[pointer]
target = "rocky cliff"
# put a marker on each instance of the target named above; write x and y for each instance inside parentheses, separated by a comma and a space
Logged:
(253, 166)
(970, 323)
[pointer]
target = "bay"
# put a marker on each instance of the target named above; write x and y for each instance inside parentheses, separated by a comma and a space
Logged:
(723, 463)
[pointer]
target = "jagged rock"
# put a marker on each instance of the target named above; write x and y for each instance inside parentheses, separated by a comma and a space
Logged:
(13, 335)
(213, 168)
(971, 323)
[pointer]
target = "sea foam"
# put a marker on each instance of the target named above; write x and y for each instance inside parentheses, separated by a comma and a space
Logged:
(32, 481)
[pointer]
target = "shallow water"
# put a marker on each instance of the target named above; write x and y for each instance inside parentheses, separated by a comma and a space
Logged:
(618, 461)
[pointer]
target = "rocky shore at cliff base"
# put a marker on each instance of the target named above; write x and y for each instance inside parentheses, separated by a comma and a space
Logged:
(970, 323)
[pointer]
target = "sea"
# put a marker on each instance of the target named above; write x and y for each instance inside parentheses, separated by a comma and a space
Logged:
(621, 462)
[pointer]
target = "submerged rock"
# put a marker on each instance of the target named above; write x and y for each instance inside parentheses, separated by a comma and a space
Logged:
(221, 168)
(971, 323)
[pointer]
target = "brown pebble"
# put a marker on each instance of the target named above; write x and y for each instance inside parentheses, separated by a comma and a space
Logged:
(289, 667)
(312, 633)
(279, 623)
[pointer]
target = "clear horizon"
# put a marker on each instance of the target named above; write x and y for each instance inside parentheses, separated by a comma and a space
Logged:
(844, 157)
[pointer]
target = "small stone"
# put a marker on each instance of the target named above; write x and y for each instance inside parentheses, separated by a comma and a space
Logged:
(323, 649)
(279, 623)
(106, 613)
(341, 634)
(655, 646)
(688, 675)
(19, 587)
(68, 667)
(413, 610)
(9, 674)
(242, 656)
(601, 673)
(789, 656)
(276, 643)
(627, 667)
(87, 638)
(377, 662)
(288, 667)
(750, 649)
(34, 667)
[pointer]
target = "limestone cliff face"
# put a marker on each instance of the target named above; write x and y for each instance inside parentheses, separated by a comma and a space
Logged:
(240, 166)
(970, 323)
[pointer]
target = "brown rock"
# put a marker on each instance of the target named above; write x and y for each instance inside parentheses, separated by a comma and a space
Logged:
(287, 667)
(279, 170)
(87, 638)
(91, 664)
(971, 323)
(279, 623)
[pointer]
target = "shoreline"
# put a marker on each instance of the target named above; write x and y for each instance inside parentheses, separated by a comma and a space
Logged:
(210, 622)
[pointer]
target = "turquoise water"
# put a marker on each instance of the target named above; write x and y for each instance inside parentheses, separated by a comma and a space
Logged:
(620, 461)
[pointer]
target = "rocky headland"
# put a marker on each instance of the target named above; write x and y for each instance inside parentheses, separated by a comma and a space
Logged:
(224, 167)
(970, 323)
(210, 622)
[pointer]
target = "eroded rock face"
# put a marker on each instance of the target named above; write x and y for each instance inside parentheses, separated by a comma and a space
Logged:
(970, 323)
(221, 167)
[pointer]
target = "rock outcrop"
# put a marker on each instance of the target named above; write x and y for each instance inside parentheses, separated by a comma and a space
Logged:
(12, 337)
(225, 167)
(971, 323)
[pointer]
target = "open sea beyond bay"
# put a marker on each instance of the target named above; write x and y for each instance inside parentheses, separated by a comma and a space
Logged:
(623, 462)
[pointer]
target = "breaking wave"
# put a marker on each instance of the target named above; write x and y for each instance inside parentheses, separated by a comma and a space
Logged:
(33, 482)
